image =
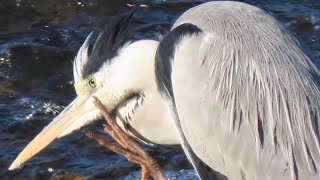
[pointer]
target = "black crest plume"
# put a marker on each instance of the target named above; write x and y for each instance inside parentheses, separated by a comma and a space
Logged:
(113, 37)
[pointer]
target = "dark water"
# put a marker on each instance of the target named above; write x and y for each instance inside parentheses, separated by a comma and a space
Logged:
(38, 41)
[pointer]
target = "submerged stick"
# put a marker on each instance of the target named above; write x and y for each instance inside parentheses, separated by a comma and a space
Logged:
(128, 147)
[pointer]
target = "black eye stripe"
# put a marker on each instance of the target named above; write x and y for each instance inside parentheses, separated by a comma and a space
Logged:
(114, 36)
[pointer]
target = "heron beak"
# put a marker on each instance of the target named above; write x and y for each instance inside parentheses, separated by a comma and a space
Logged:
(54, 130)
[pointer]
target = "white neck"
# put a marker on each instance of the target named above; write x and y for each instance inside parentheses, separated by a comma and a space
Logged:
(152, 119)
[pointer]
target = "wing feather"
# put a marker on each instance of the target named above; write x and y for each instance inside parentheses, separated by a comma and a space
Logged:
(262, 77)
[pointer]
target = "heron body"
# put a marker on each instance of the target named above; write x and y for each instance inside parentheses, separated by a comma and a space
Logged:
(251, 84)
(228, 83)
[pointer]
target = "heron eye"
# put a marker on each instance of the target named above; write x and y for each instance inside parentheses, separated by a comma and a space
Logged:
(92, 83)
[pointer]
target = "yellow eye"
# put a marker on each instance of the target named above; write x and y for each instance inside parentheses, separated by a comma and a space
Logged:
(92, 83)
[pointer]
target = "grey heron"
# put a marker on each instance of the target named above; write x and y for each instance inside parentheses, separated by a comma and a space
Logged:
(228, 83)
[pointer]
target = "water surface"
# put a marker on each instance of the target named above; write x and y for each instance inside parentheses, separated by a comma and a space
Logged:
(38, 41)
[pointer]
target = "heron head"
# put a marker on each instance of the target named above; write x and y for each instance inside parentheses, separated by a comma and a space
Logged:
(114, 71)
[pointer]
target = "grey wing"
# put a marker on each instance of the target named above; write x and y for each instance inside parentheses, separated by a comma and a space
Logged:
(204, 119)
(166, 53)
(245, 95)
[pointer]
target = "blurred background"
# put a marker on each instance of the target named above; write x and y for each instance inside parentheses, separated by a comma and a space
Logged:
(38, 42)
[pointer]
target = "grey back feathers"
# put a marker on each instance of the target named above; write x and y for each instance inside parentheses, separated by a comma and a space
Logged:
(114, 36)
(165, 55)
(266, 85)
(263, 79)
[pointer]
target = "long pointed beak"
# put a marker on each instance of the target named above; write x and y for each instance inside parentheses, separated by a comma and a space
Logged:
(54, 130)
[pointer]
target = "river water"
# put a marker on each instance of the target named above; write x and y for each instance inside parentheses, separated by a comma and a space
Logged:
(38, 41)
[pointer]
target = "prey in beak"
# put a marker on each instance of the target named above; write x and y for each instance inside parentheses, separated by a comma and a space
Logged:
(97, 73)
